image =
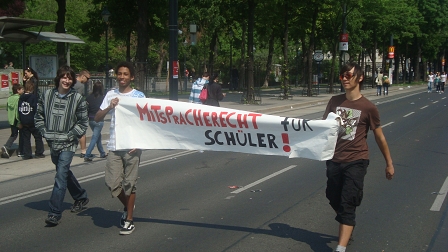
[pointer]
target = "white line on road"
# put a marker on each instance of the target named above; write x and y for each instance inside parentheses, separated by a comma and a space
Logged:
(440, 197)
(46, 189)
(436, 102)
(264, 179)
(408, 114)
(424, 107)
(387, 124)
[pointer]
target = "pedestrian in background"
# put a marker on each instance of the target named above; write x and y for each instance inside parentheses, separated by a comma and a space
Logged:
(437, 82)
(379, 83)
(27, 110)
(215, 93)
(122, 165)
(12, 106)
(81, 86)
(197, 87)
(94, 101)
(62, 119)
(348, 167)
(442, 82)
(430, 81)
(30, 75)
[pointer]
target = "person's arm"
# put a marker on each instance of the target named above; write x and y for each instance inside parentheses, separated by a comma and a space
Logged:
(384, 148)
(103, 111)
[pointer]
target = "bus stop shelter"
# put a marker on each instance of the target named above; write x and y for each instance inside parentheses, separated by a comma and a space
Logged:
(12, 29)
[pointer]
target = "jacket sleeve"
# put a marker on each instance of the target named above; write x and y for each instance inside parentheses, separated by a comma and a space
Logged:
(39, 117)
(82, 120)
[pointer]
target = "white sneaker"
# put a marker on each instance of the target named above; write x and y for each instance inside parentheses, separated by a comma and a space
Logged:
(128, 228)
(5, 153)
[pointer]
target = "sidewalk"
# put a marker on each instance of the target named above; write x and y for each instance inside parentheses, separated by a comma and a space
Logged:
(270, 103)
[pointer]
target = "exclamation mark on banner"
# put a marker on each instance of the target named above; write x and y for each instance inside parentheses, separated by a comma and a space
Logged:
(285, 139)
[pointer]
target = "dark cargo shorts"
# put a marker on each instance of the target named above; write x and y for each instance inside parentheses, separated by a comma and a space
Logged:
(345, 183)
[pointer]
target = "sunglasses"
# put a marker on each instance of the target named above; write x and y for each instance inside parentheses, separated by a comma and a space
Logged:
(347, 76)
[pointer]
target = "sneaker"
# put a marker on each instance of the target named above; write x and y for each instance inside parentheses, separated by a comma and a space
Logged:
(128, 227)
(82, 155)
(5, 153)
(53, 220)
(88, 159)
(20, 155)
(79, 205)
(39, 156)
(103, 156)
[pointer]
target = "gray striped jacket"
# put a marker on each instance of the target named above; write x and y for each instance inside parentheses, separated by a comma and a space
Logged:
(61, 121)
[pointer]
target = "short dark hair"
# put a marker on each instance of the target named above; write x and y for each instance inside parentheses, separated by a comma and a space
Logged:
(97, 89)
(128, 65)
(357, 72)
(62, 72)
(29, 86)
(16, 88)
(205, 74)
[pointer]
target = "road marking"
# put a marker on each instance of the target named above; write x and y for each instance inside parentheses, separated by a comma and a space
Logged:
(387, 124)
(264, 179)
(443, 98)
(440, 197)
(436, 102)
(408, 114)
(46, 189)
(424, 107)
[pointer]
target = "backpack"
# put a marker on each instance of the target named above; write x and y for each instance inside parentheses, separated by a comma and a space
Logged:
(204, 94)
(386, 80)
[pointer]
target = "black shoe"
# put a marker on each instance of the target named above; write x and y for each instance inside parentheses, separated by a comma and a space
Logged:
(103, 156)
(79, 205)
(53, 220)
(82, 155)
(88, 159)
(39, 156)
(128, 228)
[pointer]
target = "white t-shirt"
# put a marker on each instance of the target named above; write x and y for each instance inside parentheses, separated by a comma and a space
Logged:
(431, 78)
(106, 102)
(443, 78)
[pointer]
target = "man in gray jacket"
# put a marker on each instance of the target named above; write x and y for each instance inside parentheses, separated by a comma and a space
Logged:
(62, 119)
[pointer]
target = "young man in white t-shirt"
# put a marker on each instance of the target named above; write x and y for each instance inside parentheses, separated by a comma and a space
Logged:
(442, 82)
(121, 162)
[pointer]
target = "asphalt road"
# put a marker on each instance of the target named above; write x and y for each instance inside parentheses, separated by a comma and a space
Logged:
(184, 202)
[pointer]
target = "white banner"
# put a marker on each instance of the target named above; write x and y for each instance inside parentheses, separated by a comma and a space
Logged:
(163, 124)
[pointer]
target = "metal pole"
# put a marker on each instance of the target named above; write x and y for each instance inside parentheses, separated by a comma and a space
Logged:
(173, 50)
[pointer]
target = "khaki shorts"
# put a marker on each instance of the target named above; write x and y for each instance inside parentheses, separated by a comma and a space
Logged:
(122, 172)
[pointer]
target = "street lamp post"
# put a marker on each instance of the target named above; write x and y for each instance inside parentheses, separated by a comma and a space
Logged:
(231, 68)
(106, 14)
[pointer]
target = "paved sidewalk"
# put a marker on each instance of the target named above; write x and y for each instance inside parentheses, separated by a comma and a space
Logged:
(270, 103)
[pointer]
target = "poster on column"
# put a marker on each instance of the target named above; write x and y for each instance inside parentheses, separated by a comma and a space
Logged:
(163, 124)
(5, 82)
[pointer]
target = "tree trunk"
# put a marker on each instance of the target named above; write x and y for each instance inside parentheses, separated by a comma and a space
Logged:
(250, 51)
(285, 70)
(142, 43)
(269, 60)
(60, 28)
(212, 53)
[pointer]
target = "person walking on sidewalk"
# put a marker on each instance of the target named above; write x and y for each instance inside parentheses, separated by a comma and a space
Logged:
(348, 167)
(197, 87)
(81, 86)
(122, 165)
(12, 107)
(215, 93)
(379, 83)
(61, 119)
(430, 81)
(27, 110)
(94, 101)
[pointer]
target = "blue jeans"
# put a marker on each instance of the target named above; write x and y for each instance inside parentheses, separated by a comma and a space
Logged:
(64, 180)
(429, 86)
(96, 138)
(378, 89)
